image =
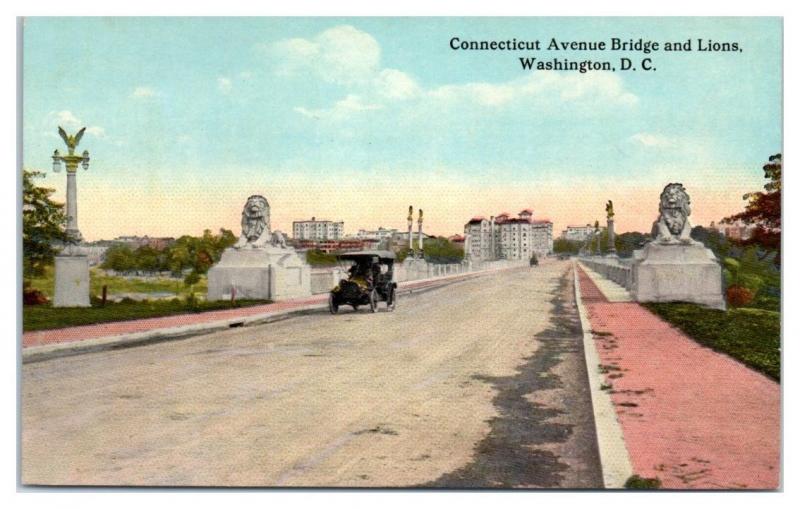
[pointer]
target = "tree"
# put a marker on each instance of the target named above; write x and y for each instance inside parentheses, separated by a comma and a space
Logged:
(626, 243)
(441, 250)
(763, 210)
(120, 257)
(564, 246)
(43, 225)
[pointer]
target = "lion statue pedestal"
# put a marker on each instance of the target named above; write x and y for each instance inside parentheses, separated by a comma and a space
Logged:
(259, 265)
(674, 267)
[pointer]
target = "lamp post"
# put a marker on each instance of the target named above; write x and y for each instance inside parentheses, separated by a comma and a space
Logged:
(419, 236)
(71, 161)
(72, 265)
(410, 235)
(612, 249)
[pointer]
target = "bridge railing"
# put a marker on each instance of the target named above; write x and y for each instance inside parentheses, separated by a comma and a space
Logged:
(615, 269)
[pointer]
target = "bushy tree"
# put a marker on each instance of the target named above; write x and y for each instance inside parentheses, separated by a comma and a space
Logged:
(626, 243)
(120, 258)
(564, 246)
(43, 225)
(441, 250)
(763, 209)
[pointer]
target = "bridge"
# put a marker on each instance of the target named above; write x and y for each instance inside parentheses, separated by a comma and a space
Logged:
(496, 380)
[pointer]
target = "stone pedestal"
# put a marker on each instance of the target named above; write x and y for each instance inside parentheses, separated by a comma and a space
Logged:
(259, 273)
(677, 273)
(72, 281)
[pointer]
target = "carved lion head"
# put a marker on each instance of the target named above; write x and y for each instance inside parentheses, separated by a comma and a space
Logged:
(674, 207)
(255, 217)
(256, 206)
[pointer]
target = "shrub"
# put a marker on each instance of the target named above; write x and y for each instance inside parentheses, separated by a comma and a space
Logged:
(191, 278)
(636, 482)
(33, 297)
(739, 296)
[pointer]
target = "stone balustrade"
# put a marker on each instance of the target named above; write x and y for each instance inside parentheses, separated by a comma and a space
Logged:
(324, 279)
(615, 269)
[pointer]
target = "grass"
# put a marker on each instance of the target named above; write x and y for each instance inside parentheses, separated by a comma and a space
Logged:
(118, 284)
(752, 336)
(47, 317)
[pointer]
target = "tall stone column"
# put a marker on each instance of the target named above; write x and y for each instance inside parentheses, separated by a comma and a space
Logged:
(72, 264)
(419, 235)
(410, 227)
(72, 206)
(493, 254)
(612, 250)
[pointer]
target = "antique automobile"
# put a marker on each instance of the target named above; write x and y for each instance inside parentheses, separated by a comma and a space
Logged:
(370, 281)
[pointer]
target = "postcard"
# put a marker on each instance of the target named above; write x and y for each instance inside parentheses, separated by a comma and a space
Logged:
(416, 253)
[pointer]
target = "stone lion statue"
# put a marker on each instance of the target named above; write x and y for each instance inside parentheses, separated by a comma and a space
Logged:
(255, 223)
(672, 225)
(278, 239)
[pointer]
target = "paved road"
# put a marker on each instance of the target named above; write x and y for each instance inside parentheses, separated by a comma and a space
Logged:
(478, 384)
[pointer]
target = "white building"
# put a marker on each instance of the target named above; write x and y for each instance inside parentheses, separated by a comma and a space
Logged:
(381, 233)
(509, 238)
(317, 230)
(577, 233)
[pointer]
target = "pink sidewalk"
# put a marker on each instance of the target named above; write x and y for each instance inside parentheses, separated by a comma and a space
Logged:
(690, 416)
(84, 332)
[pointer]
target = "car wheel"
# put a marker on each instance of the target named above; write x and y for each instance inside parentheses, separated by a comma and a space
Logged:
(373, 300)
(391, 302)
(333, 306)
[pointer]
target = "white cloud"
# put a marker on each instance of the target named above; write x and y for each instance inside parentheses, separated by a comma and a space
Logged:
(96, 131)
(340, 110)
(224, 84)
(551, 86)
(653, 140)
(342, 55)
(350, 58)
(143, 92)
(69, 121)
(65, 118)
(394, 84)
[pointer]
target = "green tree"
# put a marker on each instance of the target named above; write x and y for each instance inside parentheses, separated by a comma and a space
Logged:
(763, 210)
(43, 222)
(564, 246)
(441, 250)
(626, 243)
(119, 257)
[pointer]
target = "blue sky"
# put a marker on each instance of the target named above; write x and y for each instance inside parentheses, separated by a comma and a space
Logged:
(203, 109)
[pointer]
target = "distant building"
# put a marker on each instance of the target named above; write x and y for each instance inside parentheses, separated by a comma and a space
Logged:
(317, 230)
(457, 240)
(134, 241)
(577, 233)
(399, 239)
(380, 234)
(737, 230)
(336, 246)
(509, 238)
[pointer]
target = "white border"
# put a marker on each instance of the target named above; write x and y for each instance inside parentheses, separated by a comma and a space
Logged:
(8, 201)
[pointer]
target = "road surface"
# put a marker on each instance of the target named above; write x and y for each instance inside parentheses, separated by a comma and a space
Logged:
(480, 383)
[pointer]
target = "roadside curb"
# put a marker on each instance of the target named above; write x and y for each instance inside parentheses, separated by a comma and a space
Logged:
(614, 457)
(129, 340)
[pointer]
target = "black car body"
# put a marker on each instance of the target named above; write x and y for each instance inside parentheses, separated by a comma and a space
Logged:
(370, 281)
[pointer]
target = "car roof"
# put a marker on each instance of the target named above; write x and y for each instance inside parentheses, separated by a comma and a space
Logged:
(384, 256)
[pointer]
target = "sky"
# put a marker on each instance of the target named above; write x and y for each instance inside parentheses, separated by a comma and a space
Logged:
(354, 119)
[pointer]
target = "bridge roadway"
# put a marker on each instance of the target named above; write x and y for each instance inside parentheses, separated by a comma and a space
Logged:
(477, 384)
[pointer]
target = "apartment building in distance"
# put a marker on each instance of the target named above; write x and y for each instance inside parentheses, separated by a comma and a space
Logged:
(314, 229)
(577, 233)
(508, 238)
